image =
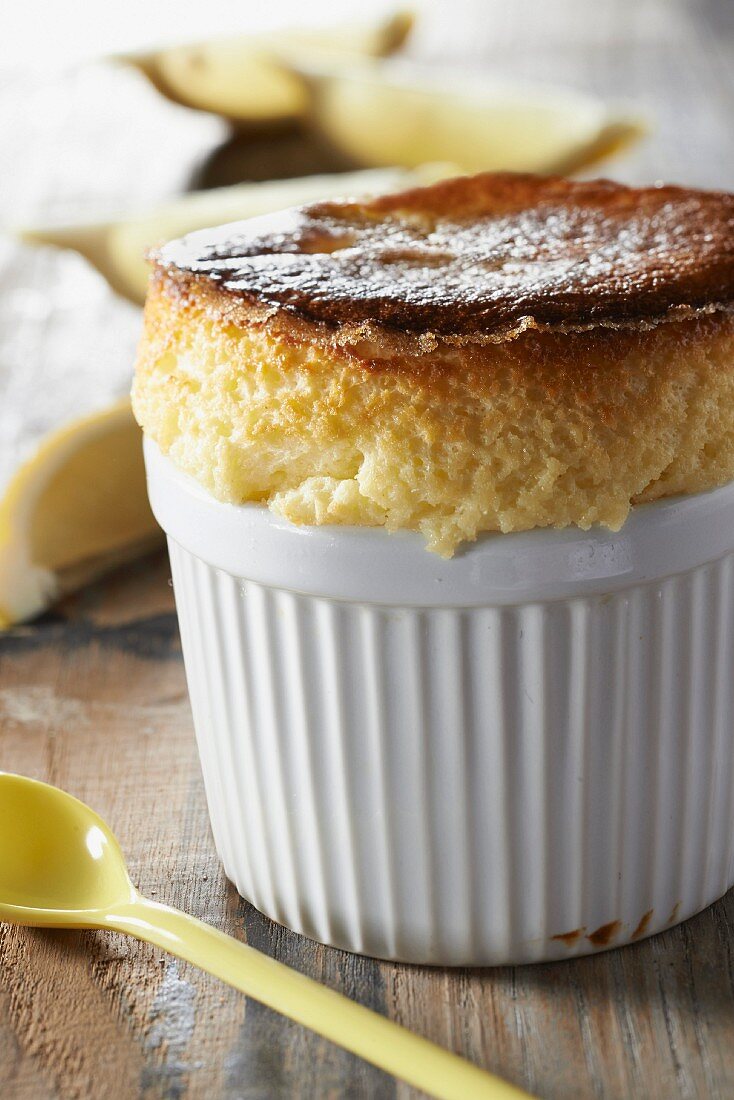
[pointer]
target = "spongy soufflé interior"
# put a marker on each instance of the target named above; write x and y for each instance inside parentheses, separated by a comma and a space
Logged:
(548, 429)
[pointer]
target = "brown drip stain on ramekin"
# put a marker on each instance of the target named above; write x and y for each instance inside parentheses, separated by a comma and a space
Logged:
(570, 938)
(642, 926)
(603, 936)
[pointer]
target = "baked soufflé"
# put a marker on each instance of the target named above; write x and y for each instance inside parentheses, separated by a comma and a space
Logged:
(492, 353)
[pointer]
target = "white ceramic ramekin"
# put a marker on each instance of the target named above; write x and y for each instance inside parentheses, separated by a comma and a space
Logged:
(523, 753)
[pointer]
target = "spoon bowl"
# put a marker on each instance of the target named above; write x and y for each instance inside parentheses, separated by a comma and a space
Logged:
(59, 862)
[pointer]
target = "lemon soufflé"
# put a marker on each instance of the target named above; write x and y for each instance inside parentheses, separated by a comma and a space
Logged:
(493, 353)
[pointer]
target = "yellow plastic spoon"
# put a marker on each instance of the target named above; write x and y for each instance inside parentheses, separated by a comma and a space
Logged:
(62, 867)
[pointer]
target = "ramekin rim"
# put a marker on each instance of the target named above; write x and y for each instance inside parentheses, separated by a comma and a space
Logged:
(660, 538)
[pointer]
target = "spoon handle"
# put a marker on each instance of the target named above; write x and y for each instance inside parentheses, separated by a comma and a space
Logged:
(350, 1025)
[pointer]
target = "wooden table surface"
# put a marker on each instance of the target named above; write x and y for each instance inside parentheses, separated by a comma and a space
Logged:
(93, 696)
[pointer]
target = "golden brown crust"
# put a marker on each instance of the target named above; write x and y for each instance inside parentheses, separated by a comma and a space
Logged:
(469, 260)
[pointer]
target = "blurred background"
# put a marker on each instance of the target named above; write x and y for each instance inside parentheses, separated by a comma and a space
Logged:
(101, 122)
(94, 153)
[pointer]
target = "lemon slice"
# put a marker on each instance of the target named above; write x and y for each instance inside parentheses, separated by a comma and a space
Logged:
(241, 77)
(389, 113)
(76, 508)
(117, 248)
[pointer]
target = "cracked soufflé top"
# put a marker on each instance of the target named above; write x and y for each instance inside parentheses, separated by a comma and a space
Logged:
(481, 257)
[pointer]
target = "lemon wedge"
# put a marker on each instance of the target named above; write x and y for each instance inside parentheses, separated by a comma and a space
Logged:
(241, 77)
(389, 113)
(117, 248)
(76, 508)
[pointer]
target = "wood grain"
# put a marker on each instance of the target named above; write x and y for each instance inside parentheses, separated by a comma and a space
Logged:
(93, 697)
